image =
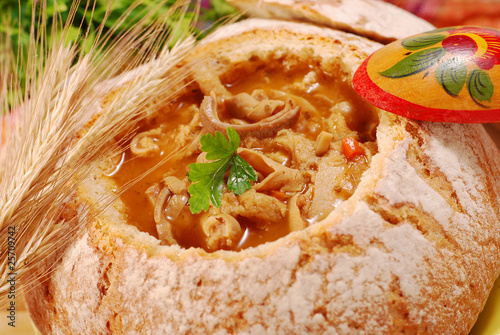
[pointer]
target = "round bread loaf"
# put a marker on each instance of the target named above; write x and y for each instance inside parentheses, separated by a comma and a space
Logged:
(413, 248)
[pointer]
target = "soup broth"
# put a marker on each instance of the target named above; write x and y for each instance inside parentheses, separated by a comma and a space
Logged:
(310, 153)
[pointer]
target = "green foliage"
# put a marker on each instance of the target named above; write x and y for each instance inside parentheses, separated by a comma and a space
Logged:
(16, 22)
(19, 15)
(208, 178)
(218, 9)
(84, 22)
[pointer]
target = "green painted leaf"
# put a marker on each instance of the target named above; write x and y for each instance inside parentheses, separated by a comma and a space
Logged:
(415, 63)
(452, 75)
(240, 175)
(423, 41)
(480, 86)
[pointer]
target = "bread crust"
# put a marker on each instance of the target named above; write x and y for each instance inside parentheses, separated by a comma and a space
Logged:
(376, 20)
(415, 249)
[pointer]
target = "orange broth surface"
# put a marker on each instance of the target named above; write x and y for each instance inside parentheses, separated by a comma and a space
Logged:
(169, 162)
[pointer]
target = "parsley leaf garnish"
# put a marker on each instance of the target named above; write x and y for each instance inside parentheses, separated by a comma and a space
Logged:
(208, 178)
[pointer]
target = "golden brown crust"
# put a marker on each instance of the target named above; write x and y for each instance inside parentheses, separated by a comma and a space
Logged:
(415, 249)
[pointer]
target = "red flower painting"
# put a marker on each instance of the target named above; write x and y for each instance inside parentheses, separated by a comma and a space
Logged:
(481, 44)
(449, 52)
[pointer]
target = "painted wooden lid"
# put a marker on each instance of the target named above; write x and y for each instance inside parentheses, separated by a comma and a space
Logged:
(444, 75)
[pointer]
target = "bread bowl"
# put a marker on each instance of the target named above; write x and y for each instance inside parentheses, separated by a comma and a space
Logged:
(412, 245)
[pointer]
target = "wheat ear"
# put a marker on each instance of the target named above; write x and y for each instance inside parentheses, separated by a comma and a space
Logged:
(46, 154)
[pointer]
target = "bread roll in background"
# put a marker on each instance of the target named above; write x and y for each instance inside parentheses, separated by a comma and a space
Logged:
(414, 247)
(375, 20)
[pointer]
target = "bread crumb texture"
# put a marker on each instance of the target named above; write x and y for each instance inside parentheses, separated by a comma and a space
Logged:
(415, 250)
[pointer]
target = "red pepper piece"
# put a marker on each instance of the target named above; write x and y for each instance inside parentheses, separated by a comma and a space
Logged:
(351, 148)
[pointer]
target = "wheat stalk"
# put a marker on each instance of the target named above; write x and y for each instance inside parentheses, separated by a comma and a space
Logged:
(46, 153)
